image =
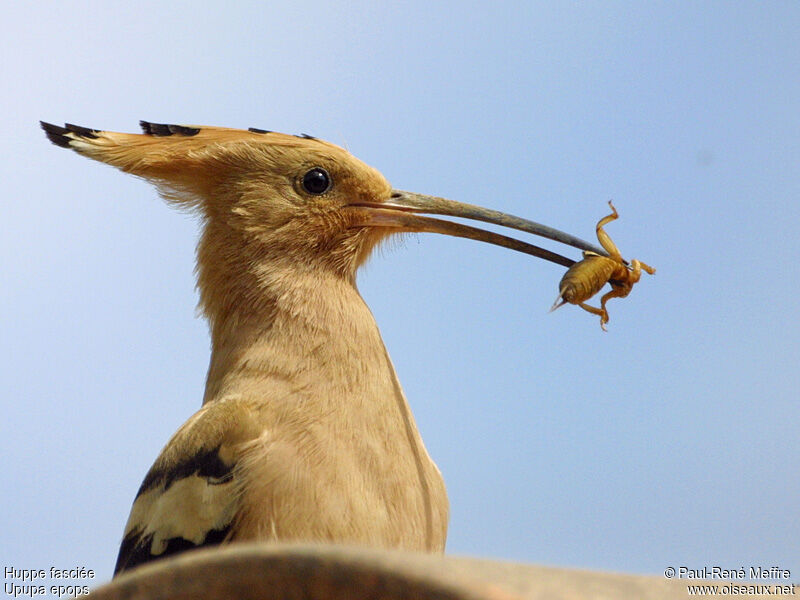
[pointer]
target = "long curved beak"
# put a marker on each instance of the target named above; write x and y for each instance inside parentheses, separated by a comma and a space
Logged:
(402, 210)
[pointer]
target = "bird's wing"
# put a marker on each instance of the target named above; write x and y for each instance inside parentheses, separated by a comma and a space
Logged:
(191, 495)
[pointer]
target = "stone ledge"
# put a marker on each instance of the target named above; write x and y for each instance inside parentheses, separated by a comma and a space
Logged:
(328, 572)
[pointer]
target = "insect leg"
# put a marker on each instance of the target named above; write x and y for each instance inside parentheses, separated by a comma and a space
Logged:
(601, 312)
(603, 237)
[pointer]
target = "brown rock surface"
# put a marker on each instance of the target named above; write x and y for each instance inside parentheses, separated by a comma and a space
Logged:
(316, 572)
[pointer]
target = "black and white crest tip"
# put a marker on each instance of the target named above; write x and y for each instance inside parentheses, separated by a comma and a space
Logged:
(163, 129)
(58, 135)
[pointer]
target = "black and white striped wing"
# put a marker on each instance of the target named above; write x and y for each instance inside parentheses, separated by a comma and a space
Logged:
(190, 496)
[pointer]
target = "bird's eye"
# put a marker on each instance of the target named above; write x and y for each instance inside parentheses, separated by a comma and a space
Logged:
(316, 181)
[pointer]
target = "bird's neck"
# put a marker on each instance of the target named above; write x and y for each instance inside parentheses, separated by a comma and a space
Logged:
(308, 333)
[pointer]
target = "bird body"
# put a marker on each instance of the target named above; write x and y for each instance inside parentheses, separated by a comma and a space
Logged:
(304, 433)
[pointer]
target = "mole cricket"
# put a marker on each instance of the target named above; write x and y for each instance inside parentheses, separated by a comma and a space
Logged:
(587, 277)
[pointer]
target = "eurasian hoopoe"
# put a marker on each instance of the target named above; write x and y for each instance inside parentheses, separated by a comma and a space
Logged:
(304, 433)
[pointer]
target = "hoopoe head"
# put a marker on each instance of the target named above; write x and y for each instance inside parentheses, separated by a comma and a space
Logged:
(277, 195)
(275, 203)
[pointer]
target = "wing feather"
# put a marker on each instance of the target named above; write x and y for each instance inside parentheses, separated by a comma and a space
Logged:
(191, 495)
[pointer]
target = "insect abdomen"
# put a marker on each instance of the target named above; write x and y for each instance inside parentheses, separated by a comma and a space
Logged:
(585, 278)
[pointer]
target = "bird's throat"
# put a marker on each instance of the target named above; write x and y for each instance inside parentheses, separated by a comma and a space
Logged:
(308, 330)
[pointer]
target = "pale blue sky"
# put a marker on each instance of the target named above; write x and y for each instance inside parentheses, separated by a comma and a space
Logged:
(670, 440)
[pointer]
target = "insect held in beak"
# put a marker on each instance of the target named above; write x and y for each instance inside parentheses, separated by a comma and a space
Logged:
(587, 277)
